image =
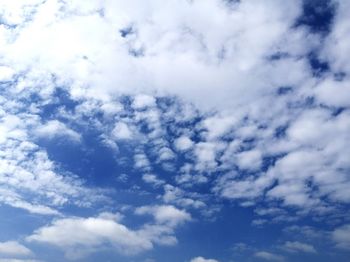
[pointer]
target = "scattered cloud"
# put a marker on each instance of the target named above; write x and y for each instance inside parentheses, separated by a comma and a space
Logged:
(268, 256)
(202, 259)
(152, 179)
(295, 246)
(341, 236)
(14, 249)
(79, 236)
(54, 128)
(165, 214)
(255, 115)
(183, 143)
(121, 131)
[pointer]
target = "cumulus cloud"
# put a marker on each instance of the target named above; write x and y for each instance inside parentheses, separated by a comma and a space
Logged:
(6, 73)
(29, 179)
(295, 246)
(341, 236)
(202, 259)
(255, 122)
(165, 214)
(337, 44)
(268, 256)
(54, 128)
(78, 236)
(90, 233)
(152, 179)
(143, 101)
(183, 143)
(14, 249)
(121, 131)
(166, 56)
(250, 160)
(333, 93)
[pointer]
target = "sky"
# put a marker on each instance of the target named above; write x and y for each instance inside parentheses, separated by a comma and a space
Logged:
(174, 131)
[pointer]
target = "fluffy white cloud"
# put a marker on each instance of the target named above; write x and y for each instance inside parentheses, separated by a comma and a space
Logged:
(229, 186)
(333, 93)
(183, 143)
(14, 249)
(121, 131)
(249, 160)
(29, 179)
(152, 179)
(165, 214)
(54, 128)
(268, 256)
(6, 73)
(142, 161)
(11, 198)
(217, 126)
(79, 236)
(101, 50)
(337, 44)
(143, 101)
(90, 233)
(206, 154)
(295, 246)
(341, 236)
(171, 57)
(202, 259)
(310, 164)
(178, 196)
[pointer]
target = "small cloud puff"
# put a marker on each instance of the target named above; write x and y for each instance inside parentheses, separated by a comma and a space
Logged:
(202, 259)
(14, 249)
(54, 129)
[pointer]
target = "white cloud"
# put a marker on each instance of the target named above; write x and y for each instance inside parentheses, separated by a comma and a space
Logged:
(6, 73)
(183, 143)
(111, 108)
(202, 259)
(206, 153)
(176, 195)
(78, 236)
(165, 214)
(174, 59)
(229, 186)
(152, 179)
(310, 164)
(296, 246)
(249, 160)
(90, 233)
(218, 126)
(337, 43)
(54, 128)
(142, 162)
(143, 101)
(180, 48)
(121, 131)
(165, 154)
(9, 197)
(268, 256)
(341, 236)
(224, 69)
(14, 249)
(333, 93)
(29, 179)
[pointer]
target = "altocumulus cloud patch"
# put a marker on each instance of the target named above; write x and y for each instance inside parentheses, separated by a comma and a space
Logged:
(174, 131)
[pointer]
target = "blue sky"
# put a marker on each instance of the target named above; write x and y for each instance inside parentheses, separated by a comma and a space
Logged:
(180, 131)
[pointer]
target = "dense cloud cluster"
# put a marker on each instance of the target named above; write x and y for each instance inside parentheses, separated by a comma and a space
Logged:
(196, 102)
